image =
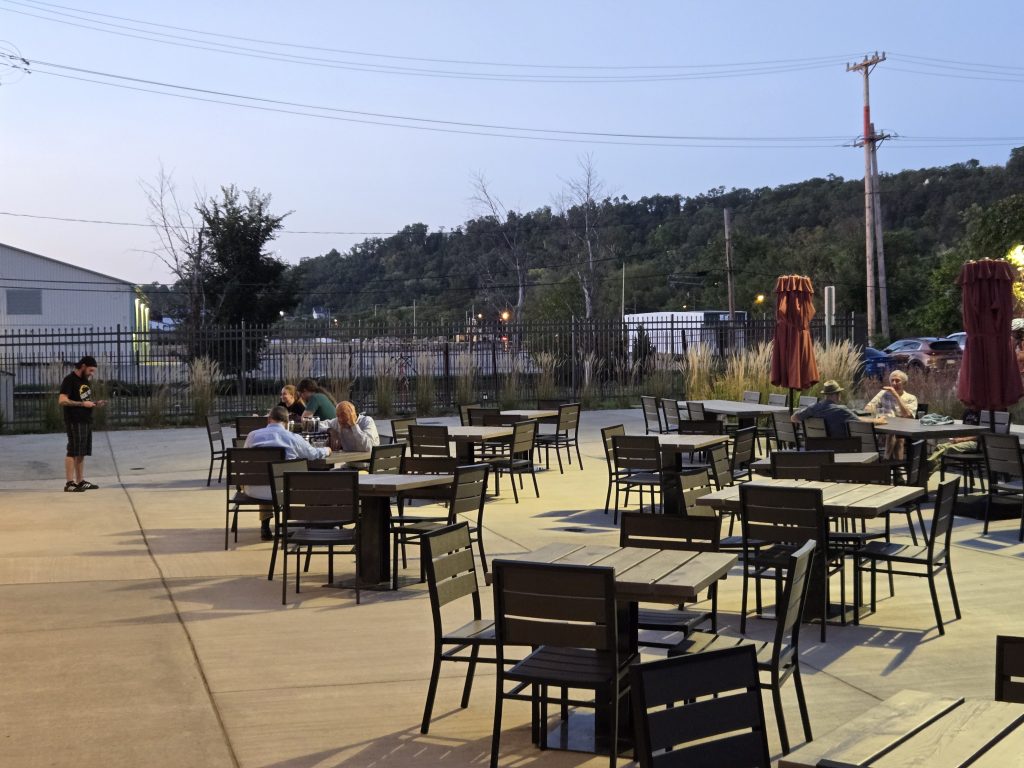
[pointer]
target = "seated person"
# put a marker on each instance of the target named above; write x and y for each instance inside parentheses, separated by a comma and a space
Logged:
(290, 399)
(894, 400)
(831, 410)
(352, 432)
(276, 435)
(317, 404)
(955, 445)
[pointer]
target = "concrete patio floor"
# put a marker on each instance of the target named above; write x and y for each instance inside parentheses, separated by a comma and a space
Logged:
(130, 637)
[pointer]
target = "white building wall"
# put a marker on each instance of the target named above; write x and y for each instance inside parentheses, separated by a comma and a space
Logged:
(72, 297)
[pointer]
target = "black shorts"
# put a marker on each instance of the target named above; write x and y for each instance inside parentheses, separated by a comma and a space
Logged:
(79, 438)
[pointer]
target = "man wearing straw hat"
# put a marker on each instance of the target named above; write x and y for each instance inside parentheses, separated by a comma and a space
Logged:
(835, 414)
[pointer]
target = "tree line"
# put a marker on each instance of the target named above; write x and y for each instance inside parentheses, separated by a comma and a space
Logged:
(589, 252)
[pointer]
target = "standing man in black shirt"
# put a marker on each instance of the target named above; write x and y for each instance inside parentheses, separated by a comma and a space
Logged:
(77, 403)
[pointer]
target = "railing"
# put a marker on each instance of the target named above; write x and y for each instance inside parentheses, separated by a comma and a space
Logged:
(149, 380)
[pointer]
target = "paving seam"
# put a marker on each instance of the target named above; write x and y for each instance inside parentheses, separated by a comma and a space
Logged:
(177, 612)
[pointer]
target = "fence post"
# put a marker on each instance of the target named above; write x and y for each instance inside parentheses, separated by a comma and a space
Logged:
(572, 356)
(241, 375)
(447, 374)
(494, 369)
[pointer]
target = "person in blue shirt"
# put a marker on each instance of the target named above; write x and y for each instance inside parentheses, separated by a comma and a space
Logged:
(276, 435)
(835, 414)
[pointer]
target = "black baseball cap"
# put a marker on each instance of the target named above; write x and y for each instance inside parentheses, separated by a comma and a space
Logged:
(88, 361)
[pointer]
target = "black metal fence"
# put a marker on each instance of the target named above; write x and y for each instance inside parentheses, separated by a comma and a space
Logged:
(151, 379)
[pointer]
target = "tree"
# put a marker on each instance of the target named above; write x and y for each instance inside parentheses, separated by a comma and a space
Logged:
(225, 276)
(581, 204)
(510, 249)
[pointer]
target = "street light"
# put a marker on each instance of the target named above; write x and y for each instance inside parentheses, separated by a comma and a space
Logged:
(759, 303)
(505, 315)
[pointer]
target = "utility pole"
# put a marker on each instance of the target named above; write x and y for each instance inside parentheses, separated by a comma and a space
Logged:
(623, 299)
(869, 139)
(728, 263)
(876, 200)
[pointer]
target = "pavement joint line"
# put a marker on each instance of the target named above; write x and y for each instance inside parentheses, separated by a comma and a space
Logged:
(177, 612)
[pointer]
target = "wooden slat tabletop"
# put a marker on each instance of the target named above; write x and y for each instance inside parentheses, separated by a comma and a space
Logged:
(388, 485)
(915, 430)
(764, 466)
(534, 414)
(740, 408)
(654, 575)
(477, 434)
(914, 728)
(688, 443)
(344, 457)
(840, 499)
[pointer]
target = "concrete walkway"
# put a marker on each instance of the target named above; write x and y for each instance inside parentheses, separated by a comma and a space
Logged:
(130, 637)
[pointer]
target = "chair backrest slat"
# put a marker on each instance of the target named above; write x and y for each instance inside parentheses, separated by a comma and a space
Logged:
(796, 580)
(1003, 456)
(321, 497)
(428, 440)
(639, 453)
(214, 431)
(743, 448)
(464, 413)
(608, 434)
(696, 410)
(554, 604)
(682, 532)
(248, 466)
(524, 433)
(568, 417)
(785, 430)
(387, 459)
(719, 467)
(1010, 668)
(815, 426)
(865, 431)
(777, 398)
(694, 426)
(400, 428)
(469, 492)
(246, 424)
(701, 709)
(450, 570)
(670, 411)
(275, 472)
(942, 518)
(751, 396)
(837, 444)
(879, 474)
(652, 414)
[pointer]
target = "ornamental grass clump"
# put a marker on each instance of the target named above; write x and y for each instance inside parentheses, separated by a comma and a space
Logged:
(699, 370)
(664, 378)
(426, 389)
(338, 380)
(747, 369)
(511, 382)
(296, 365)
(465, 379)
(203, 384)
(840, 360)
(590, 363)
(384, 385)
(546, 364)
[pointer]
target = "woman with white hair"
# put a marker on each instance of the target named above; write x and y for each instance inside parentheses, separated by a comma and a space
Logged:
(894, 400)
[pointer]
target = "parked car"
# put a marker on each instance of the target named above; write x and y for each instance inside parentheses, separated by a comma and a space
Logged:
(876, 364)
(925, 353)
(960, 337)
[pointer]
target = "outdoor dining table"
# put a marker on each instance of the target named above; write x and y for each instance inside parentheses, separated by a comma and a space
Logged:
(740, 408)
(536, 415)
(466, 437)
(764, 466)
(853, 500)
(917, 728)
(641, 575)
(677, 445)
(373, 562)
(340, 459)
(915, 430)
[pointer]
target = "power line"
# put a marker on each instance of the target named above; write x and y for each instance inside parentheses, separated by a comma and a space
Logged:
(728, 69)
(378, 117)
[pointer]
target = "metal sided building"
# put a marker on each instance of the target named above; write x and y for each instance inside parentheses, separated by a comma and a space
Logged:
(52, 313)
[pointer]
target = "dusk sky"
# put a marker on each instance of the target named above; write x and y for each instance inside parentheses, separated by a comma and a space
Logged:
(735, 94)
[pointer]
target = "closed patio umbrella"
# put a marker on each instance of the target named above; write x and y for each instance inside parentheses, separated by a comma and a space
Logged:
(793, 363)
(989, 377)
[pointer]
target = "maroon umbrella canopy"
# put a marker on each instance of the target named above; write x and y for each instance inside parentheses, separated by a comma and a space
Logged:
(793, 363)
(989, 377)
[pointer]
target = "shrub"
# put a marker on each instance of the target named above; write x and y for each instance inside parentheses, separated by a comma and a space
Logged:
(465, 379)
(204, 383)
(840, 360)
(663, 376)
(699, 372)
(590, 363)
(511, 383)
(425, 384)
(547, 364)
(384, 385)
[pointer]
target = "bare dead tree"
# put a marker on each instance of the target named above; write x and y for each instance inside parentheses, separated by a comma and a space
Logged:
(512, 254)
(579, 206)
(180, 245)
